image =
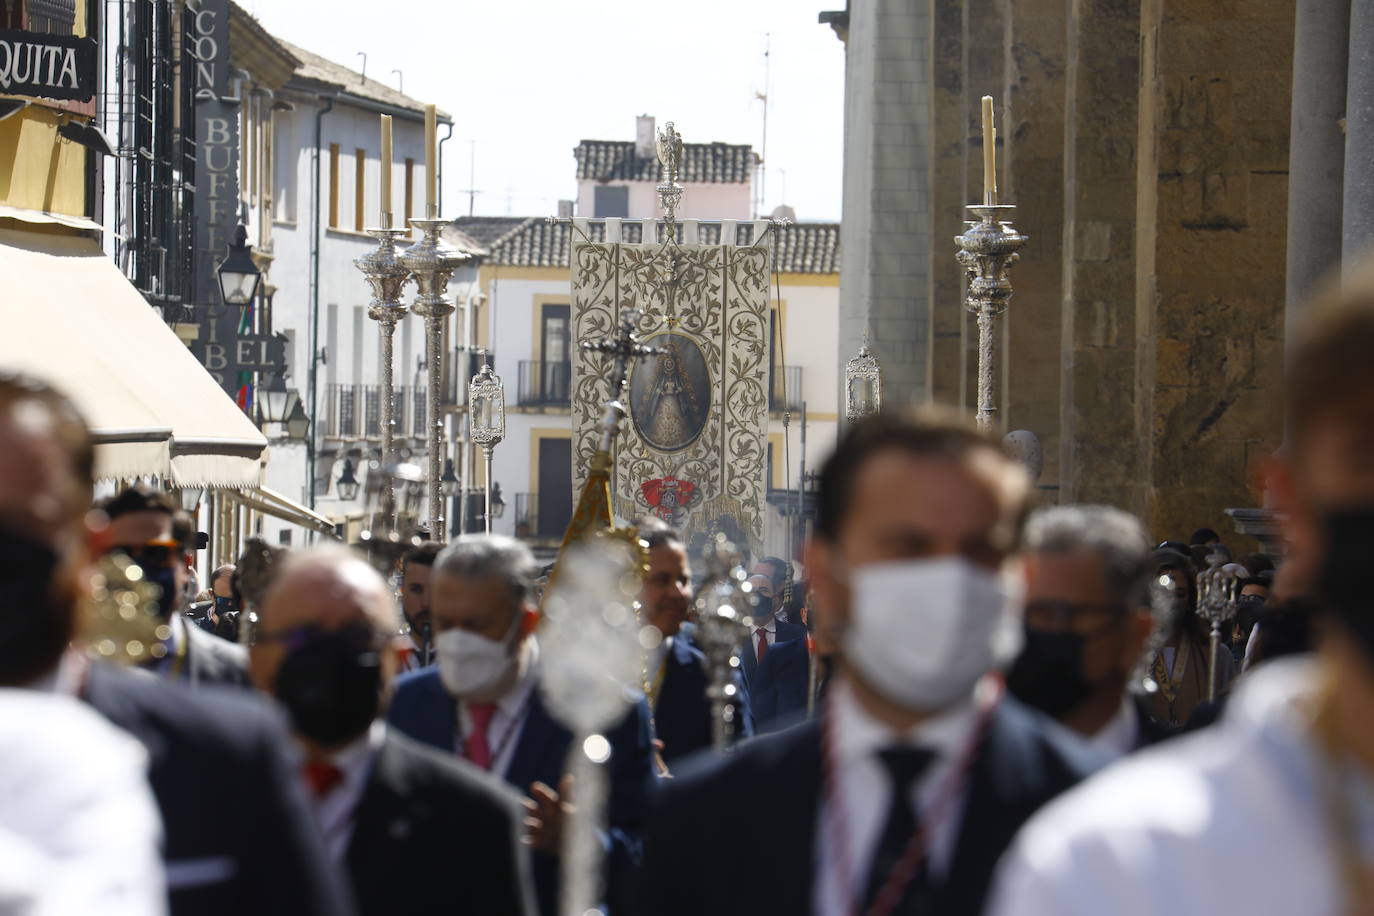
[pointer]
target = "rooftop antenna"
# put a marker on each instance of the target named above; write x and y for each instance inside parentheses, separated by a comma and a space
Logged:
(400, 81)
(763, 97)
(363, 55)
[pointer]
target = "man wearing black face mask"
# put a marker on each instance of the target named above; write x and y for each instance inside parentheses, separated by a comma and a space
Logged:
(1278, 791)
(386, 806)
(141, 527)
(775, 663)
(1087, 620)
(222, 600)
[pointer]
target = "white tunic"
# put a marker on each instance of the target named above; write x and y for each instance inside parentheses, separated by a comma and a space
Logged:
(1230, 820)
(79, 830)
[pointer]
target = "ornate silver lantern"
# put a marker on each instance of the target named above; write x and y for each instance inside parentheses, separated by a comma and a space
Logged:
(487, 406)
(863, 385)
(1217, 588)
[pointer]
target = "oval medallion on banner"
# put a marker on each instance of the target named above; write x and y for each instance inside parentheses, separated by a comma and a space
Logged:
(670, 394)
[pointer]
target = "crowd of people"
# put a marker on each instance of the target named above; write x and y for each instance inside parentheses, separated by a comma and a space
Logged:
(965, 705)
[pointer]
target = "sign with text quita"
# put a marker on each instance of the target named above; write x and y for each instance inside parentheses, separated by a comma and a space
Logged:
(47, 66)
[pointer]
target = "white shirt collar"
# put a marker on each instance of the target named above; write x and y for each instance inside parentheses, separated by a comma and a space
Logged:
(1118, 737)
(771, 627)
(857, 734)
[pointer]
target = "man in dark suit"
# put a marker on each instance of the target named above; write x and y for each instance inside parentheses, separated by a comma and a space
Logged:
(143, 527)
(777, 687)
(1087, 620)
(906, 790)
(236, 832)
(675, 676)
(416, 830)
(482, 701)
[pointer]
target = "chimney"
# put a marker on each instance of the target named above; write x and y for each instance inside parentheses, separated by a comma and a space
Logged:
(565, 209)
(646, 146)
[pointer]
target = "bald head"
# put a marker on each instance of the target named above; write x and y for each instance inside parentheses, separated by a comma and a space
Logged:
(328, 588)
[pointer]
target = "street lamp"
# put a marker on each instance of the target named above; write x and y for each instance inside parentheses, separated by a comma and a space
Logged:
(863, 385)
(487, 403)
(297, 423)
(278, 401)
(238, 275)
(348, 482)
(448, 484)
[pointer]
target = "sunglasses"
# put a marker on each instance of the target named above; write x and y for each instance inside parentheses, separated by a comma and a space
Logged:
(151, 554)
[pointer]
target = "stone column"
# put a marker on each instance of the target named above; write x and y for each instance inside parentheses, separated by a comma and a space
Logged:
(949, 141)
(1033, 179)
(1097, 421)
(885, 234)
(1357, 217)
(1316, 147)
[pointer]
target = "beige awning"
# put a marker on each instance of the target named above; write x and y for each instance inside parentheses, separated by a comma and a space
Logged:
(272, 503)
(71, 318)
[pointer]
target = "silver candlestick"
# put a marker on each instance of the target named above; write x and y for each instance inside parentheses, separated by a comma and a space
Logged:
(487, 419)
(387, 276)
(1216, 604)
(987, 250)
(431, 263)
(724, 619)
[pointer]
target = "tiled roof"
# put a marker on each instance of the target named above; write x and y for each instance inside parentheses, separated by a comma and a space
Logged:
(807, 248)
(616, 160)
(315, 67)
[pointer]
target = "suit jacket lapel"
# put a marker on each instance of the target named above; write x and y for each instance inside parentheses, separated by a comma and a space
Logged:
(381, 814)
(538, 732)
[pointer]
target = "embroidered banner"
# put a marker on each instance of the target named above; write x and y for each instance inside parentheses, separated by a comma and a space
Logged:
(693, 449)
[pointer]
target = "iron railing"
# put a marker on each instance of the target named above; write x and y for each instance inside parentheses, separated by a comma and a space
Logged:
(355, 412)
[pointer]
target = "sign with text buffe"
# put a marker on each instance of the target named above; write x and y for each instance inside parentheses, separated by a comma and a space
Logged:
(226, 347)
(48, 66)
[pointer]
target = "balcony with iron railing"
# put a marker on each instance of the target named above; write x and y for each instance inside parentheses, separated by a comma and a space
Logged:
(544, 384)
(785, 389)
(353, 412)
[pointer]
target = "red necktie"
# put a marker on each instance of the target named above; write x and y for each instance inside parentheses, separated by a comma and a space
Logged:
(322, 777)
(476, 748)
(763, 643)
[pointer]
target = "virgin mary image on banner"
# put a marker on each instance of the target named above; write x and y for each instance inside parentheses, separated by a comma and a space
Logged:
(670, 395)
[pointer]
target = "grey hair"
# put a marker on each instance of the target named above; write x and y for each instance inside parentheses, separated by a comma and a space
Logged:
(1117, 538)
(479, 556)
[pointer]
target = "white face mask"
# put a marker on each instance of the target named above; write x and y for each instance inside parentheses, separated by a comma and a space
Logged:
(922, 632)
(471, 664)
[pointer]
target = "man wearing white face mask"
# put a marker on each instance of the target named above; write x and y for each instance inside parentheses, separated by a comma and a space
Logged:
(904, 792)
(481, 701)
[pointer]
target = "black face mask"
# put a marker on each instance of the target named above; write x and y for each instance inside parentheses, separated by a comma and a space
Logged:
(763, 607)
(1345, 582)
(331, 684)
(34, 631)
(1048, 675)
(165, 578)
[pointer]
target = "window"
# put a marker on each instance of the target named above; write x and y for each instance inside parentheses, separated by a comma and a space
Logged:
(410, 191)
(555, 339)
(284, 167)
(611, 202)
(359, 186)
(333, 186)
(53, 17)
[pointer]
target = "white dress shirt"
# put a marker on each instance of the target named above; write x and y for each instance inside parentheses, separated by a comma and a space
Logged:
(1229, 820)
(79, 830)
(851, 822)
(1116, 738)
(503, 731)
(334, 812)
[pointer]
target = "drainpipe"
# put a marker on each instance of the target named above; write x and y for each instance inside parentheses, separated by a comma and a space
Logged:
(439, 169)
(310, 441)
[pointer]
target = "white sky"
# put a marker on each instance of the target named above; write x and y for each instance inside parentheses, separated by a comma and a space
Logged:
(528, 79)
